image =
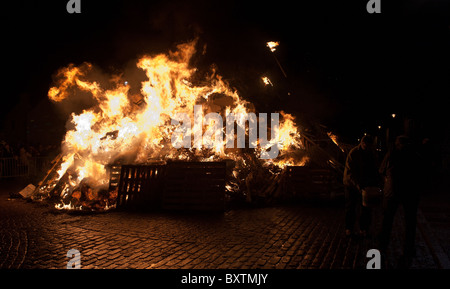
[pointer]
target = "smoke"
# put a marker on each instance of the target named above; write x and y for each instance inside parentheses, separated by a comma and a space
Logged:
(178, 20)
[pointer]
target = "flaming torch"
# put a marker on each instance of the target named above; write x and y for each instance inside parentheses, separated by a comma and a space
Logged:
(272, 46)
(266, 81)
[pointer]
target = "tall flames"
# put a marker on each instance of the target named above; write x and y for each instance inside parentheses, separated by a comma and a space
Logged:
(136, 128)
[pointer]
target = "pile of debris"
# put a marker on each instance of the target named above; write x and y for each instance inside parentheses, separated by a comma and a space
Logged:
(130, 123)
(65, 194)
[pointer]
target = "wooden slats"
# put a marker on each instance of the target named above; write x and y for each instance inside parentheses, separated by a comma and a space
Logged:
(140, 185)
(114, 176)
(177, 185)
(195, 186)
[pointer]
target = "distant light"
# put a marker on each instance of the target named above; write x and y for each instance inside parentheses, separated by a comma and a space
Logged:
(125, 83)
(266, 80)
(379, 127)
(272, 45)
(393, 115)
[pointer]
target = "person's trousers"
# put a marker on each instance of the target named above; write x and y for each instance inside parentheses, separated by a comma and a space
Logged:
(355, 210)
(410, 206)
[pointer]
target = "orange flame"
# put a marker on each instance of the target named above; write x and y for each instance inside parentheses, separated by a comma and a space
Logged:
(117, 128)
(272, 45)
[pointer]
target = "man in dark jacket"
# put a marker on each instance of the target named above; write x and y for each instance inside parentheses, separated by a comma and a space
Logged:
(360, 172)
(401, 169)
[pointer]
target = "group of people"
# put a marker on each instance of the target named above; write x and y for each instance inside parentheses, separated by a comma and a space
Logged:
(399, 176)
(13, 158)
(24, 150)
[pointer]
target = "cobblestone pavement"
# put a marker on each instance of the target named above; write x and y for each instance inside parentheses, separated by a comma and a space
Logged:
(33, 235)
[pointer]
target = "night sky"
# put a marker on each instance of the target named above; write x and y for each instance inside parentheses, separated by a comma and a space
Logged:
(346, 68)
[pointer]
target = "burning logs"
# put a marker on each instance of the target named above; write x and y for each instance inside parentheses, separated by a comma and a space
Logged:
(47, 184)
(88, 197)
(65, 193)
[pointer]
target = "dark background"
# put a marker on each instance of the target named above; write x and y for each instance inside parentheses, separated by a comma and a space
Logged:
(347, 69)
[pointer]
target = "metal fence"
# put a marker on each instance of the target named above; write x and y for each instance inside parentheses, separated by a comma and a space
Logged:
(15, 167)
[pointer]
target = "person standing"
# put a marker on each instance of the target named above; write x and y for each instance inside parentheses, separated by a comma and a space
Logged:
(360, 171)
(401, 168)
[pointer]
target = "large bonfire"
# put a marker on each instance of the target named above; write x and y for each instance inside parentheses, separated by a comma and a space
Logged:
(123, 127)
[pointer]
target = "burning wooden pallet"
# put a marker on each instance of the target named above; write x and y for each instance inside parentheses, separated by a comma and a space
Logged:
(189, 186)
(177, 185)
(138, 185)
(195, 186)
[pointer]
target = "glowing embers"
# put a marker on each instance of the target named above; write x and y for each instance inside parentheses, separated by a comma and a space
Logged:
(88, 194)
